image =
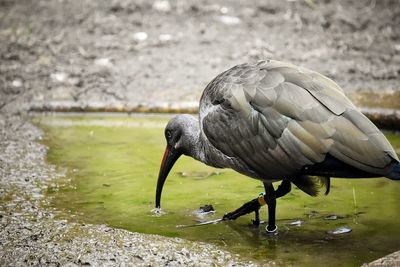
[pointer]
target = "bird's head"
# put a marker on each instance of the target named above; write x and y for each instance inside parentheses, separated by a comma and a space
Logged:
(180, 134)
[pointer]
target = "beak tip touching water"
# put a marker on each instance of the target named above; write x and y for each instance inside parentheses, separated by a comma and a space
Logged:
(168, 161)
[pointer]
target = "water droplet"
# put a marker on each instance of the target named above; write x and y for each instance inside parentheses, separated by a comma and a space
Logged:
(158, 212)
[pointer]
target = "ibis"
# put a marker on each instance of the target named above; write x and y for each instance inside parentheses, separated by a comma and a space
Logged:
(277, 122)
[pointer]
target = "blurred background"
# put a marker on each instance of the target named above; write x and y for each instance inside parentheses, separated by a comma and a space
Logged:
(119, 54)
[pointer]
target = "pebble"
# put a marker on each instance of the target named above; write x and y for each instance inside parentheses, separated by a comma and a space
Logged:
(223, 10)
(140, 36)
(103, 62)
(204, 211)
(16, 83)
(165, 37)
(162, 6)
(58, 77)
(229, 20)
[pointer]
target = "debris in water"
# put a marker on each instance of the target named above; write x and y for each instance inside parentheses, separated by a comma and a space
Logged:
(332, 217)
(204, 210)
(197, 174)
(296, 223)
(207, 208)
(340, 230)
(200, 224)
(312, 214)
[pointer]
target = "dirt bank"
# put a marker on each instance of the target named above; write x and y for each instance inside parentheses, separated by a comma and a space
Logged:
(125, 52)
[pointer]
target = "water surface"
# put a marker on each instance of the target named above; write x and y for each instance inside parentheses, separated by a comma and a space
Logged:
(113, 163)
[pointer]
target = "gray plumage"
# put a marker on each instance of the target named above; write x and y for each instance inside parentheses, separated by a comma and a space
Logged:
(274, 118)
(275, 121)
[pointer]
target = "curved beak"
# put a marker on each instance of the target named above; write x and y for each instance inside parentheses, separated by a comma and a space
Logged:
(168, 160)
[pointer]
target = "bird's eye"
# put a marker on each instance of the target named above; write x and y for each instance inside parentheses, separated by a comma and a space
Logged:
(168, 134)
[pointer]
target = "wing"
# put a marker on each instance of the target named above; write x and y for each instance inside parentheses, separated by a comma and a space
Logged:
(278, 118)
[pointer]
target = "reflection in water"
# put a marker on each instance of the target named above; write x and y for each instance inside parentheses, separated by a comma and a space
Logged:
(114, 183)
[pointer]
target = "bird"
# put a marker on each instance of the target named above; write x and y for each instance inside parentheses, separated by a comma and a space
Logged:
(278, 122)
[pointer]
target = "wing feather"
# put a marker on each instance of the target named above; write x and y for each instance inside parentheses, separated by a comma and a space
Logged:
(276, 118)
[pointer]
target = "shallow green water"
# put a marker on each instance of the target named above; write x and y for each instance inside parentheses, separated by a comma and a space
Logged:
(114, 161)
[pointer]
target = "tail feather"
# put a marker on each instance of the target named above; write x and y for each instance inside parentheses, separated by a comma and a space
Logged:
(394, 174)
(312, 185)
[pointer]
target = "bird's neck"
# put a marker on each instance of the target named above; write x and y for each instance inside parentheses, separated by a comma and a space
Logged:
(205, 152)
(199, 147)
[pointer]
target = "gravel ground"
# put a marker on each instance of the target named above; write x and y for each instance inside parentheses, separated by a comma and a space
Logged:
(122, 55)
(391, 260)
(138, 53)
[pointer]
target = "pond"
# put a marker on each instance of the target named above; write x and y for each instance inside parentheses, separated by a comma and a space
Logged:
(112, 164)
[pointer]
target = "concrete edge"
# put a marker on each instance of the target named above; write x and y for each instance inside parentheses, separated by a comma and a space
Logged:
(382, 117)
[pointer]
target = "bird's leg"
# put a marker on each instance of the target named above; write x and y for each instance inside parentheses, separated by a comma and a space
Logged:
(252, 205)
(255, 204)
(256, 221)
(283, 189)
(270, 199)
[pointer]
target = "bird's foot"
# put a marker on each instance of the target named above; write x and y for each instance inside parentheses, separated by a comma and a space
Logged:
(230, 216)
(256, 223)
(252, 205)
(272, 230)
